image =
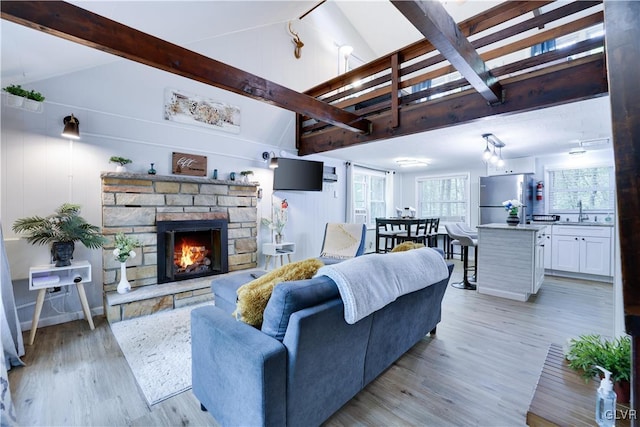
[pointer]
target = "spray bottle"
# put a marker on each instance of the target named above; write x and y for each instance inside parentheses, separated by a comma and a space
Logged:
(606, 401)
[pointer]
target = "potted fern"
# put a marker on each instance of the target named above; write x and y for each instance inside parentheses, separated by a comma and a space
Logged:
(588, 351)
(60, 229)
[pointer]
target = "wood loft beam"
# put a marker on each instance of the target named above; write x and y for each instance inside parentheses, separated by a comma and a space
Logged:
(89, 29)
(578, 80)
(433, 21)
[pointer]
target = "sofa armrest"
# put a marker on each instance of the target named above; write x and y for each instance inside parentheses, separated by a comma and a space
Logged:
(238, 373)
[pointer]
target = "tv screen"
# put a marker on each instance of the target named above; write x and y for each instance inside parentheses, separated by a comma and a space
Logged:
(297, 175)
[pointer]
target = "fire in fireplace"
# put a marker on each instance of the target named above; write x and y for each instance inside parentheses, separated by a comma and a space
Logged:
(190, 249)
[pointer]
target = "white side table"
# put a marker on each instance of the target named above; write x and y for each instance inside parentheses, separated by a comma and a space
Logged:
(275, 249)
(43, 277)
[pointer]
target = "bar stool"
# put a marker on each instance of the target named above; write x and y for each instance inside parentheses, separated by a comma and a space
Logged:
(459, 237)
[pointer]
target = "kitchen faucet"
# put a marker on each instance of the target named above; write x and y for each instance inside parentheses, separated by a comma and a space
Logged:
(580, 216)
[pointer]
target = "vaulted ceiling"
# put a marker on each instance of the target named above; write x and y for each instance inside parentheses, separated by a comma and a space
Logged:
(563, 125)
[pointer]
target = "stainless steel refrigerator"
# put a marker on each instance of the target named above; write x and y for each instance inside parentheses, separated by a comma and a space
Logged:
(496, 189)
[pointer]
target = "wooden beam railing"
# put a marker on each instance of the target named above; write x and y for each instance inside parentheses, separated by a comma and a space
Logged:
(375, 88)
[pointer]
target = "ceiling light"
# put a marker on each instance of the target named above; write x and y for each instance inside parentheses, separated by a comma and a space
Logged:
(407, 163)
(71, 127)
(492, 157)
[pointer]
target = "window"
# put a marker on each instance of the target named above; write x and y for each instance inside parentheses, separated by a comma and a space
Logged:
(594, 186)
(369, 195)
(444, 197)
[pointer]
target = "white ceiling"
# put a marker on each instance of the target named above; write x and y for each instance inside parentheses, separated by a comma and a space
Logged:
(541, 132)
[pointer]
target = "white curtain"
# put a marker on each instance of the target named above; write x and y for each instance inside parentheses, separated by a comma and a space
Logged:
(349, 214)
(12, 343)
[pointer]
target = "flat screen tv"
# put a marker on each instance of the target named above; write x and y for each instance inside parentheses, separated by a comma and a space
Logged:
(297, 175)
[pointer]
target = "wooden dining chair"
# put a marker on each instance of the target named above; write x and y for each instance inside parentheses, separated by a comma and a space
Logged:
(432, 233)
(418, 235)
(388, 232)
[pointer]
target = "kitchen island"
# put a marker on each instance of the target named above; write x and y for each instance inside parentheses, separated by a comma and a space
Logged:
(510, 260)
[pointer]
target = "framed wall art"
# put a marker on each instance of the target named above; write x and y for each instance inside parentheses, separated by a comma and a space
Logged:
(192, 109)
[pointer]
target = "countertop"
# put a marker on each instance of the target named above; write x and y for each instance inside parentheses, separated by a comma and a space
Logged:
(519, 227)
(575, 223)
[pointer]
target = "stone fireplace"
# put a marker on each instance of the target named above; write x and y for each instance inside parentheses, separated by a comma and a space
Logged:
(219, 216)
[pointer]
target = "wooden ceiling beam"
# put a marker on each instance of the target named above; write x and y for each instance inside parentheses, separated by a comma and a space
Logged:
(433, 21)
(72, 23)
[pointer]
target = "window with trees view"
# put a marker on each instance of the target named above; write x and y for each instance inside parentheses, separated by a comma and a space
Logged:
(445, 197)
(594, 186)
(369, 195)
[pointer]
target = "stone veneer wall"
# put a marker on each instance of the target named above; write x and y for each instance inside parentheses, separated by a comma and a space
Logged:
(132, 203)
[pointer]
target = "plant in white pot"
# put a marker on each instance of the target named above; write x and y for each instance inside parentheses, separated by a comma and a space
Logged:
(16, 95)
(245, 175)
(121, 161)
(122, 252)
(60, 230)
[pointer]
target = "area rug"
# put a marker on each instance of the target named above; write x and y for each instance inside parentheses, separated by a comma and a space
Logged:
(158, 350)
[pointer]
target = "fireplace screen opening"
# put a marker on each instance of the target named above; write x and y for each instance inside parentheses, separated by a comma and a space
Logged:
(187, 250)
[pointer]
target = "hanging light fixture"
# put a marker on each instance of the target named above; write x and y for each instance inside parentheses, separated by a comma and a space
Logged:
(492, 156)
(71, 127)
(500, 160)
(487, 153)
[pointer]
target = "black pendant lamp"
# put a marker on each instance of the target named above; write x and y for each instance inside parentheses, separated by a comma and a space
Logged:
(71, 127)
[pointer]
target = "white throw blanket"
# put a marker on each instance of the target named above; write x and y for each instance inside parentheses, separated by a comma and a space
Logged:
(368, 283)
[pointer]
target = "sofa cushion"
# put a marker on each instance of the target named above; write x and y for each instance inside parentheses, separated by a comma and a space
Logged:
(289, 297)
(225, 287)
(253, 296)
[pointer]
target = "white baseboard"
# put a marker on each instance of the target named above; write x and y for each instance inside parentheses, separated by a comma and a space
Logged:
(61, 318)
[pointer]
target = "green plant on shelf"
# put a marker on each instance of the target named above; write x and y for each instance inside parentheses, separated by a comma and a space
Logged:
(120, 160)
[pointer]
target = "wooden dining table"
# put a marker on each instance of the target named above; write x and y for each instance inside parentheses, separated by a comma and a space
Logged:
(405, 223)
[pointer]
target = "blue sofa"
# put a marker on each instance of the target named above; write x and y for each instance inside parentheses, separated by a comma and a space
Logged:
(306, 362)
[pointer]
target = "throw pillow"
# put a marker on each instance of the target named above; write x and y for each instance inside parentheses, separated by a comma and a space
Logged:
(407, 246)
(254, 296)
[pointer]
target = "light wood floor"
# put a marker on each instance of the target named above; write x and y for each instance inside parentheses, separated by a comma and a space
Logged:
(479, 370)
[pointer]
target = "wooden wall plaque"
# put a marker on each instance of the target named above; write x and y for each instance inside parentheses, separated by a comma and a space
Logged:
(188, 164)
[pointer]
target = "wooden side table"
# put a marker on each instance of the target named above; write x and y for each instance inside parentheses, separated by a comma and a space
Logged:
(562, 398)
(47, 276)
(274, 249)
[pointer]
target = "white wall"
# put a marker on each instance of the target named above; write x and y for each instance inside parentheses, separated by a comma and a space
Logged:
(120, 109)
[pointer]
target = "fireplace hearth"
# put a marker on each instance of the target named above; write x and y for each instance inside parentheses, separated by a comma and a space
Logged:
(190, 249)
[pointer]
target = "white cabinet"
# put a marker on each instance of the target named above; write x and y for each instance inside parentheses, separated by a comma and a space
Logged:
(511, 166)
(544, 238)
(582, 249)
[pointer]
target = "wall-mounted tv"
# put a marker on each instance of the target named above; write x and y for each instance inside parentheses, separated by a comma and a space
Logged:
(298, 175)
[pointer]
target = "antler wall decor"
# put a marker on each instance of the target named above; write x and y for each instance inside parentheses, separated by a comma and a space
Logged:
(297, 51)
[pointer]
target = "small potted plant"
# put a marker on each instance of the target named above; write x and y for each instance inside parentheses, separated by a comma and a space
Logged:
(121, 161)
(16, 96)
(61, 230)
(588, 351)
(245, 175)
(34, 100)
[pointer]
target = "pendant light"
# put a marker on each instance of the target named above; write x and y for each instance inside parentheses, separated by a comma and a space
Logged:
(494, 156)
(486, 155)
(500, 160)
